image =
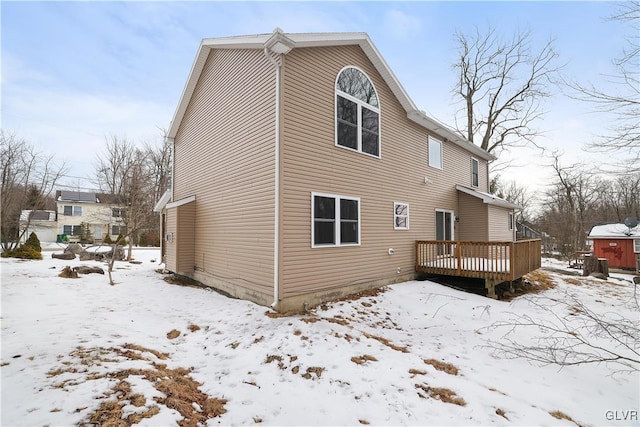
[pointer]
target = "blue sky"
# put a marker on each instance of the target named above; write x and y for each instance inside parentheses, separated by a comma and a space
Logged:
(74, 72)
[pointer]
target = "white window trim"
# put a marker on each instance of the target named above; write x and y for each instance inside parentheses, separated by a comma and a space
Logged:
(453, 221)
(359, 103)
(395, 206)
(337, 221)
(477, 162)
(441, 167)
(636, 245)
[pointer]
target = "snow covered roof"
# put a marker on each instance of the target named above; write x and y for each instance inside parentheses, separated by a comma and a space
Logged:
(487, 198)
(617, 231)
(48, 216)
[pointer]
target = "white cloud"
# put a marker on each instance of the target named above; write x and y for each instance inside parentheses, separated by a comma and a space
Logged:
(400, 25)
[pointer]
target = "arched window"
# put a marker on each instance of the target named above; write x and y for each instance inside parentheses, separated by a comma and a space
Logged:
(357, 112)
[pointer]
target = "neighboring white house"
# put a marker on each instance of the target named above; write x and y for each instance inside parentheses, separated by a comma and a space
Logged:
(101, 214)
(43, 223)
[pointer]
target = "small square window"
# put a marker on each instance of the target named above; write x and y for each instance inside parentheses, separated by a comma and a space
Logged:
(401, 216)
(435, 153)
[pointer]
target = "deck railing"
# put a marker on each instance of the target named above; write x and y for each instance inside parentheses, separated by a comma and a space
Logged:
(488, 260)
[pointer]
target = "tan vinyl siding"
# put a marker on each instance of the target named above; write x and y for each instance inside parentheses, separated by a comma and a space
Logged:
(185, 238)
(499, 224)
(170, 244)
(224, 155)
(312, 163)
(473, 214)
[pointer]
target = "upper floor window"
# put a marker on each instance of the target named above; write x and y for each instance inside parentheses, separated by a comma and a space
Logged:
(435, 153)
(117, 212)
(474, 172)
(510, 221)
(72, 210)
(335, 220)
(357, 112)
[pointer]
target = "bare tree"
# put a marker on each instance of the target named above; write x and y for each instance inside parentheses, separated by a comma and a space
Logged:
(28, 179)
(160, 164)
(515, 193)
(623, 99)
(502, 84)
(571, 334)
(571, 201)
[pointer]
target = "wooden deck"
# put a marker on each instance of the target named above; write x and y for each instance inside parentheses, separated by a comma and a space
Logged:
(494, 261)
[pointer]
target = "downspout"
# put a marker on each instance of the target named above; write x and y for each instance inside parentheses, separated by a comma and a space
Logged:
(276, 215)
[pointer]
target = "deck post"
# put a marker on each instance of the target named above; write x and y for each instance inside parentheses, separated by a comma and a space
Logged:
(490, 286)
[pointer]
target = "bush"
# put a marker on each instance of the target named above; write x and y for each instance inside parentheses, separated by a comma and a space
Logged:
(34, 242)
(107, 240)
(121, 240)
(23, 252)
(149, 238)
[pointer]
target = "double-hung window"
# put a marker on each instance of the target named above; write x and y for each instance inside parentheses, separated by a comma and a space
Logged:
(474, 172)
(435, 153)
(357, 112)
(72, 210)
(335, 220)
(71, 230)
(401, 216)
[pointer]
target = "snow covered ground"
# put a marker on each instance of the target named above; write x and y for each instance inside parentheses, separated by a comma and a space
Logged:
(71, 346)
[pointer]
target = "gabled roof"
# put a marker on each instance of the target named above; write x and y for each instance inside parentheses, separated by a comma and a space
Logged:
(38, 216)
(280, 42)
(487, 198)
(614, 231)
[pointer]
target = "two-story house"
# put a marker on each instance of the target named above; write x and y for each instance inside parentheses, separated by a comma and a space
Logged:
(99, 214)
(303, 172)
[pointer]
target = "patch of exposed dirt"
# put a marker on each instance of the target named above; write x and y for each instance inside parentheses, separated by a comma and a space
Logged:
(180, 391)
(532, 283)
(442, 366)
(442, 394)
(361, 360)
(562, 416)
(173, 334)
(386, 342)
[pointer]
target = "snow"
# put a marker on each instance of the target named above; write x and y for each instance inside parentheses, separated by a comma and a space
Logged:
(60, 336)
(472, 264)
(618, 231)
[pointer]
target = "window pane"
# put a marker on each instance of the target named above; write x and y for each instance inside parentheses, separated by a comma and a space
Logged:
(66, 229)
(324, 207)
(324, 233)
(369, 120)
(401, 221)
(349, 209)
(348, 232)
(370, 143)
(347, 110)
(68, 210)
(77, 211)
(401, 209)
(355, 83)
(347, 135)
(435, 153)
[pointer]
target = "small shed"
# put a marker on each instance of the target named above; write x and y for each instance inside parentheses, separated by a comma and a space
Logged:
(617, 243)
